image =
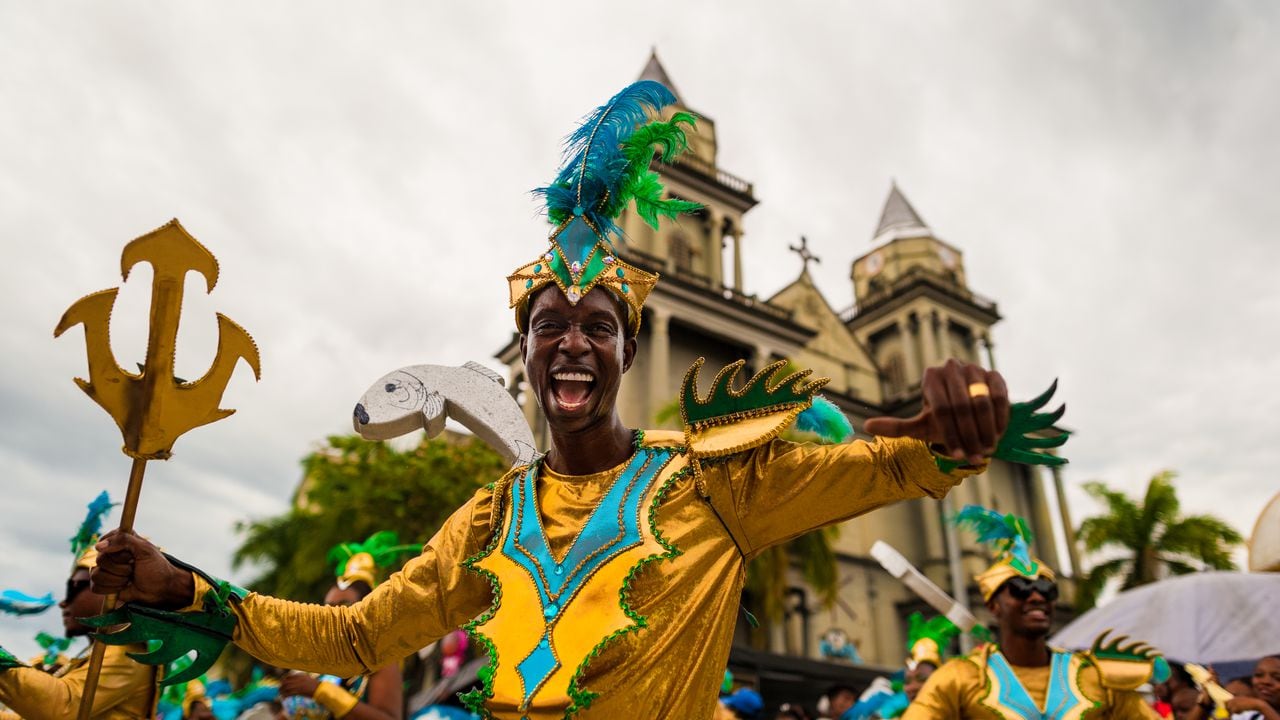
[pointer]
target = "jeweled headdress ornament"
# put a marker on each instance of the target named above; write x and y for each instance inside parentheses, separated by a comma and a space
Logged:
(1010, 538)
(363, 561)
(606, 168)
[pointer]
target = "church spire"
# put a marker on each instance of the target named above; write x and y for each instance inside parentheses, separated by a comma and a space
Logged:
(898, 215)
(653, 70)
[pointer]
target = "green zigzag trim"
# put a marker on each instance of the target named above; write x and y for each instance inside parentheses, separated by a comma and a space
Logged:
(475, 699)
(760, 392)
(1016, 445)
(582, 698)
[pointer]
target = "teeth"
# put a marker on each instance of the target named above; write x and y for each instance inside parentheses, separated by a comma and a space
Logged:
(573, 377)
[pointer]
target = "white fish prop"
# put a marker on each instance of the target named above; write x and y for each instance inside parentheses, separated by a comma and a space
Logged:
(420, 397)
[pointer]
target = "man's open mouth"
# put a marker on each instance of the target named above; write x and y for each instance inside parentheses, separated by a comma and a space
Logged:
(572, 389)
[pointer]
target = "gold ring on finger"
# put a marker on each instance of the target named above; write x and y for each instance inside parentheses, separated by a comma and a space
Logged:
(979, 389)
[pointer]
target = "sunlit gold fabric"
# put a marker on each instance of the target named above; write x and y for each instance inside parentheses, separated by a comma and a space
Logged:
(669, 668)
(126, 689)
(961, 690)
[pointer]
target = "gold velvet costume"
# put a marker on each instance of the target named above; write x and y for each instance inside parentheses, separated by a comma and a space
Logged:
(645, 630)
(978, 687)
(126, 689)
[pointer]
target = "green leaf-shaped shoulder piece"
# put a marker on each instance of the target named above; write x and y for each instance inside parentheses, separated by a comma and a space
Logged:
(174, 634)
(763, 392)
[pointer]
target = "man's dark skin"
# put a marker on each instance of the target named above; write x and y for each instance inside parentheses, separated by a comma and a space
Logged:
(1023, 626)
(587, 436)
(80, 602)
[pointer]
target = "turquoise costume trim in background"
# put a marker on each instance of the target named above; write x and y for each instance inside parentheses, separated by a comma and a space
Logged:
(1059, 698)
(614, 527)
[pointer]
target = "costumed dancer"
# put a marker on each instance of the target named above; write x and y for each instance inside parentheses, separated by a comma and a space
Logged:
(604, 578)
(1019, 675)
(126, 689)
(379, 696)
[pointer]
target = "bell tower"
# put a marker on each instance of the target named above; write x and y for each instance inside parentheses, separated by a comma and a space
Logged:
(694, 247)
(913, 306)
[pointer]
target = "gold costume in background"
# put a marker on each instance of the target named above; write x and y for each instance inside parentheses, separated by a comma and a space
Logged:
(657, 650)
(126, 689)
(969, 688)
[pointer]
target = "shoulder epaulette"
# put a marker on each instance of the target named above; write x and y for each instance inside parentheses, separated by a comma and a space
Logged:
(730, 419)
(1126, 667)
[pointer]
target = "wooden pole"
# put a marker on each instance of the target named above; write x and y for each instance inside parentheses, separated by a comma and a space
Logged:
(127, 515)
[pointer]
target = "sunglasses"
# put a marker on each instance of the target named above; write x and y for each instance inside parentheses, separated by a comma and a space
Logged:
(1021, 588)
(75, 587)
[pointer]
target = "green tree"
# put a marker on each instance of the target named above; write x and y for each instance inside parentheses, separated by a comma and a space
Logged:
(1150, 537)
(353, 488)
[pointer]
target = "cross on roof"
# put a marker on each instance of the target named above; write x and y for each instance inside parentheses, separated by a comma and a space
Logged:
(805, 254)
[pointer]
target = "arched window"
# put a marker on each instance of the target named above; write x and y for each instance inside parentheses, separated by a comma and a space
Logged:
(681, 253)
(895, 374)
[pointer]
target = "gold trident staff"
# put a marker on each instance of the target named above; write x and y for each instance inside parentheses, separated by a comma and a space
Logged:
(153, 407)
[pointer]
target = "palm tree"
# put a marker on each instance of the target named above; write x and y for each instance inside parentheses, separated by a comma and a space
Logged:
(1153, 538)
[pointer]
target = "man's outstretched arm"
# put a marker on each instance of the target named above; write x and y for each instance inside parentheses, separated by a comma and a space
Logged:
(431, 595)
(781, 489)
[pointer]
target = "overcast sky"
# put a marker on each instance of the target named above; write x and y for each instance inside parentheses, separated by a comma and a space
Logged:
(1110, 171)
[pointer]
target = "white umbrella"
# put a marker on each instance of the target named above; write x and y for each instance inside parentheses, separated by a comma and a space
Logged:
(1208, 617)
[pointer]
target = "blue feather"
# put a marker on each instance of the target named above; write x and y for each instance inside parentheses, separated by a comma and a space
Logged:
(826, 420)
(13, 602)
(594, 161)
(1005, 533)
(91, 528)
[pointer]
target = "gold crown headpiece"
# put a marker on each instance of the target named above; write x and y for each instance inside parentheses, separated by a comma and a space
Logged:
(363, 561)
(606, 168)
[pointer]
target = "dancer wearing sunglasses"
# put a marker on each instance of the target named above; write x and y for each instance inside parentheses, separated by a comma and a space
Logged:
(126, 689)
(1020, 676)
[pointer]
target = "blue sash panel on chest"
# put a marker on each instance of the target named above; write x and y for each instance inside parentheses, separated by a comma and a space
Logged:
(614, 527)
(1059, 699)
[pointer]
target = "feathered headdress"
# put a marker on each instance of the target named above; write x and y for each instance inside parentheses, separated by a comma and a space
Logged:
(606, 168)
(53, 647)
(928, 639)
(362, 561)
(89, 531)
(1010, 539)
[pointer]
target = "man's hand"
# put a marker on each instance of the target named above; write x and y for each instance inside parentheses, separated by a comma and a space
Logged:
(298, 683)
(138, 572)
(966, 410)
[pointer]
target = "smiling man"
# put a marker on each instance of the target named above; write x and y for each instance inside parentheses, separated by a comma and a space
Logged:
(604, 578)
(126, 689)
(1020, 676)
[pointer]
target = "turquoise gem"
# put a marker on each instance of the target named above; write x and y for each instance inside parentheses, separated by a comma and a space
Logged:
(620, 273)
(559, 570)
(550, 611)
(537, 268)
(528, 284)
(625, 288)
(577, 210)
